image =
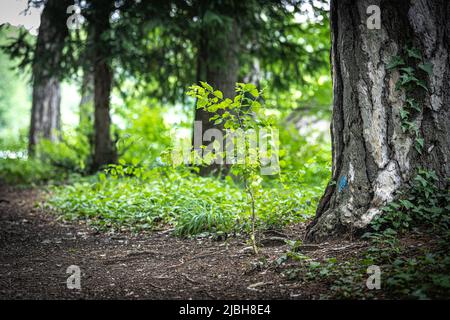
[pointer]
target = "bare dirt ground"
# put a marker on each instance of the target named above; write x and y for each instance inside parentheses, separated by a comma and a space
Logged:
(36, 249)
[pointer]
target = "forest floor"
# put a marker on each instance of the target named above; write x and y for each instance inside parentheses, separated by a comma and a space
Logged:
(36, 248)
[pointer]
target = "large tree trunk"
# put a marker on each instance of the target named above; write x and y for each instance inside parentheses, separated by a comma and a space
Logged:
(218, 65)
(45, 111)
(104, 148)
(372, 156)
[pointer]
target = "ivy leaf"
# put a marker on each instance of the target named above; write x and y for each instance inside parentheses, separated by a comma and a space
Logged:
(413, 104)
(413, 53)
(419, 145)
(407, 204)
(404, 113)
(405, 79)
(422, 84)
(427, 67)
(394, 205)
(406, 125)
(395, 62)
(408, 70)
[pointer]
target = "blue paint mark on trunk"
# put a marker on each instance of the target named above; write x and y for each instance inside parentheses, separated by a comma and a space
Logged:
(343, 183)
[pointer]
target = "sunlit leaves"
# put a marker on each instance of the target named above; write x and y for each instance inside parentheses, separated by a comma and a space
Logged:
(218, 94)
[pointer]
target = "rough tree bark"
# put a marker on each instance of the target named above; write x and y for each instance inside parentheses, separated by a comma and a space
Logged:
(104, 147)
(46, 98)
(372, 156)
(218, 65)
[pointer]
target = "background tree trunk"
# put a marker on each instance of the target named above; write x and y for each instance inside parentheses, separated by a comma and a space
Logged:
(45, 112)
(218, 64)
(372, 156)
(46, 99)
(86, 110)
(104, 148)
(87, 99)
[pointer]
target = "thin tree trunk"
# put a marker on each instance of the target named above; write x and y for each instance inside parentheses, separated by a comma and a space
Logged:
(86, 111)
(87, 99)
(372, 156)
(45, 111)
(218, 65)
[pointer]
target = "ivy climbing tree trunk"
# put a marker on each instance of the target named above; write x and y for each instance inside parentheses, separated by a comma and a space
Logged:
(218, 65)
(46, 97)
(385, 123)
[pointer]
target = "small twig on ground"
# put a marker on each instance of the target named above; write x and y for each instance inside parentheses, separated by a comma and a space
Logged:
(177, 265)
(187, 278)
(157, 287)
(204, 255)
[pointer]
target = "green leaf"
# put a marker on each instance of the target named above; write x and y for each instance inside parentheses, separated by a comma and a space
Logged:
(419, 145)
(218, 94)
(254, 92)
(408, 70)
(413, 104)
(406, 78)
(395, 62)
(201, 103)
(214, 117)
(422, 84)
(213, 108)
(249, 87)
(427, 67)
(404, 114)
(394, 205)
(227, 102)
(206, 86)
(413, 53)
(407, 204)
(256, 106)
(228, 124)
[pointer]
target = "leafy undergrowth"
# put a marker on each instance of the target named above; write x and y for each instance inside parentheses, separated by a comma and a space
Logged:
(409, 244)
(22, 172)
(127, 198)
